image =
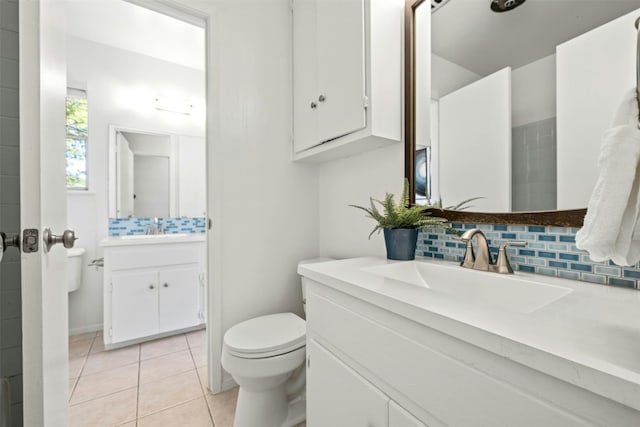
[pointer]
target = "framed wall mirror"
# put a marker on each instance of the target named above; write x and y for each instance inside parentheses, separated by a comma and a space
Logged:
(509, 106)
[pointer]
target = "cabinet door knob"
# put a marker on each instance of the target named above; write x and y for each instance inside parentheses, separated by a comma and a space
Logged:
(313, 105)
(151, 287)
(166, 285)
(322, 98)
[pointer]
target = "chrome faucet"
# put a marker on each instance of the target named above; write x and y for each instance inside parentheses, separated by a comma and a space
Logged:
(156, 228)
(482, 260)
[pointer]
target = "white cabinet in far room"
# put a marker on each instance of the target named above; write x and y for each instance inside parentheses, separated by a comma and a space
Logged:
(338, 396)
(347, 76)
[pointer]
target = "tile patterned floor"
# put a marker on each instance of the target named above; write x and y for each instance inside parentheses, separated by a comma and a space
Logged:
(157, 383)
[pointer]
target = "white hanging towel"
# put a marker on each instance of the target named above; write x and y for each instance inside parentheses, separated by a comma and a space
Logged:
(610, 230)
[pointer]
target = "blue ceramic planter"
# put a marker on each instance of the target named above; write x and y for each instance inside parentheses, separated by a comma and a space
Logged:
(401, 243)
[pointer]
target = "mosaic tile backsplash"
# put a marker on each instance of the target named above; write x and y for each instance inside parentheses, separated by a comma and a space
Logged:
(133, 226)
(550, 251)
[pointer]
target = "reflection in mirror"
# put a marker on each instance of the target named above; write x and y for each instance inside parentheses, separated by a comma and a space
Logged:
(504, 99)
(156, 175)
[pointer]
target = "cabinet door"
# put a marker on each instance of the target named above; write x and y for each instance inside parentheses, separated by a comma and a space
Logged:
(134, 305)
(305, 75)
(338, 396)
(341, 67)
(399, 417)
(179, 296)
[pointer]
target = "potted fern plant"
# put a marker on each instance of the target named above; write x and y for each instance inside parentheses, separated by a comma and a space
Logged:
(400, 222)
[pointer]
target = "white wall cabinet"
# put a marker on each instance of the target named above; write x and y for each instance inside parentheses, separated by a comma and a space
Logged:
(153, 289)
(347, 76)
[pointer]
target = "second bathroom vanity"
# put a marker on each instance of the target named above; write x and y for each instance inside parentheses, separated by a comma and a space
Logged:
(153, 286)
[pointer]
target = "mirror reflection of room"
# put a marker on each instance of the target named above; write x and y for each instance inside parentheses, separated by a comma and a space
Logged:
(504, 103)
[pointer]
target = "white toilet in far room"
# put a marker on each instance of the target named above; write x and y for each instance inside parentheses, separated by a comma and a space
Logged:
(265, 356)
(74, 268)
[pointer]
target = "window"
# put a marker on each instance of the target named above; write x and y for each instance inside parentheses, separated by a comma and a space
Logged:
(77, 136)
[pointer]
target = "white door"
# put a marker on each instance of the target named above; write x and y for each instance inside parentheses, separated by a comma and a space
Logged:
(43, 204)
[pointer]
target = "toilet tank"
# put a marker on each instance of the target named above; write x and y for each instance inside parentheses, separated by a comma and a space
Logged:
(304, 291)
(75, 260)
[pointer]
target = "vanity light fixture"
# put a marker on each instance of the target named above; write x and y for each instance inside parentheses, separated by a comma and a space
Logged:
(173, 105)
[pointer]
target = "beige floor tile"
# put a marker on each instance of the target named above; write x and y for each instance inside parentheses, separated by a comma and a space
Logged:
(104, 383)
(223, 407)
(193, 414)
(199, 355)
(203, 374)
(75, 366)
(82, 337)
(197, 338)
(131, 424)
(79, 348)
(163, 346)
(98, 344)
(168, 392)
(103, 361)
(110, 410)
(161, 367)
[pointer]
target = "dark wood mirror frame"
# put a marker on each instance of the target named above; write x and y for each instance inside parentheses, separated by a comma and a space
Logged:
(565, 218)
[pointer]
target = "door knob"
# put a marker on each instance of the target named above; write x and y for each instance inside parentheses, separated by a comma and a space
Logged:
(67, 238)
(322, 98)
(5, 242)
(313, 105)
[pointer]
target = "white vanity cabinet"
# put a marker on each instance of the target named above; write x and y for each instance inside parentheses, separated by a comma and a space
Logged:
(347, 76)
(153, 288)
(372, 366)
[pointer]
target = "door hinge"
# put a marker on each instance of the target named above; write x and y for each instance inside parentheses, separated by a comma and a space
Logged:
(110, 332)
(111, 287)
(308, 361)
(201, 278)
(209, 223)
(365, 101)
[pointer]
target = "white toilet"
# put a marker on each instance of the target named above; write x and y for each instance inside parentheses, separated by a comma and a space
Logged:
(74, 268)
(265, 356)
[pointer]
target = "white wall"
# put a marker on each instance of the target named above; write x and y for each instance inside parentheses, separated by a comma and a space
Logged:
(343, 229)
(534, 91)
(120, 87)
(264, 207)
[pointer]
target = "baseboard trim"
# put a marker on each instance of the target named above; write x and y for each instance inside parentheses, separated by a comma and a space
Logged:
(84, 329)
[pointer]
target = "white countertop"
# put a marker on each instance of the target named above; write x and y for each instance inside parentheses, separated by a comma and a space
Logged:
(589, 338)
(153, 239)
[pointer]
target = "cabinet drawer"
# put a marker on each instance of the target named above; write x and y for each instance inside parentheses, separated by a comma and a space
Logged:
(123, 258)
(451, 391)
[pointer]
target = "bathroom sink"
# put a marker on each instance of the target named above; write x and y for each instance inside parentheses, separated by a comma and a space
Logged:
(509, 292)
(154, 236)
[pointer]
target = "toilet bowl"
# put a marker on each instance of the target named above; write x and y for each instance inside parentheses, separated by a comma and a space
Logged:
(75, 259)
(265, 356)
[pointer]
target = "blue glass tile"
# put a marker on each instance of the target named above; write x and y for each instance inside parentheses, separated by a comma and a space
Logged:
(469, 226)
(546, 271)
(462, 245)
(581, 267)
(569, 257)
(558, 246)
(527, 268)
(500, 227)
(517, 228)
(622, 282)
(573, 275)
(633, 274)
(492, 235)
(546, 238)
(532, 245)
(544, 254)
(428, 254)
(537, 262)
(457, 226)
(594, 278)
(453, 258)
(526, 252)
(439, 256)
(433, 249)
(485, 227)
(450, 244)
(609, 271)
(557, 264)
(526, 236)
(568, 239)
(518, 259)
(433, 236)
(536, 229)
(427, 242)
(510, 236)
(559, 230)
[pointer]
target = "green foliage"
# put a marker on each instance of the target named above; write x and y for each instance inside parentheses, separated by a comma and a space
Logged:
(401, 214)
(76, 149)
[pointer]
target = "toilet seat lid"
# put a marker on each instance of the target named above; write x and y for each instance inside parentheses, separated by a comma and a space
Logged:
(274, 333)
